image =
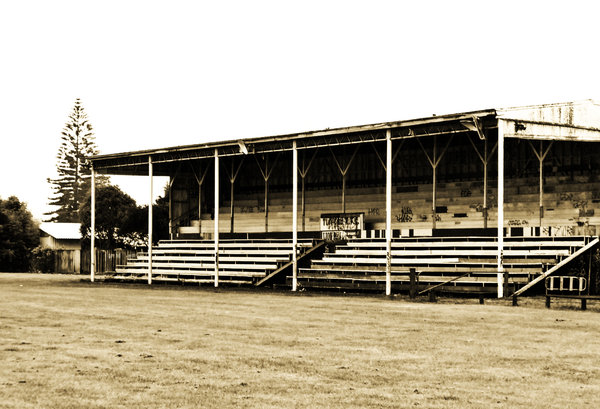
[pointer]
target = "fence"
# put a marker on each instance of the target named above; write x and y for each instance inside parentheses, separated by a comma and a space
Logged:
(67, 261)
(106, 260)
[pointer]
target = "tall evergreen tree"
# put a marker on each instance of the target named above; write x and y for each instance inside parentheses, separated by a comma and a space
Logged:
(74, 174)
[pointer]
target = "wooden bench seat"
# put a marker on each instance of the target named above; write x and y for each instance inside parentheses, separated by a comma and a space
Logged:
(454, 252)
(200, 266)
(402, 275)
(332, 258)
(177, 279)
(423, 279)
(449, 268)
(252, 252)
(227, 246)
(508, 245)
(222, 259)
(195, 272)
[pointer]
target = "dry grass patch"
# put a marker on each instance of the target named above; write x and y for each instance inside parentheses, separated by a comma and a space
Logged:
(68, 344)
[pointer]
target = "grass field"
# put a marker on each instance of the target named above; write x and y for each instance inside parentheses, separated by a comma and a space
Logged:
(71, 344)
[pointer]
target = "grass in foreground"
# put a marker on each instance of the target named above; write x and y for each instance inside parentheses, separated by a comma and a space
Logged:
(65, 344)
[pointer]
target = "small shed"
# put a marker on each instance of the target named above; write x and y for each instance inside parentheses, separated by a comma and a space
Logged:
(65, 240)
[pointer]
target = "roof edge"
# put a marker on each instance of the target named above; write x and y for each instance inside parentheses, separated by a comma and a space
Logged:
(300, 135)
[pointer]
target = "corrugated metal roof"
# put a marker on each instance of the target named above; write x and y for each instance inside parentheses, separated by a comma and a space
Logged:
(572, 121)
(436, 119)
(62, 231)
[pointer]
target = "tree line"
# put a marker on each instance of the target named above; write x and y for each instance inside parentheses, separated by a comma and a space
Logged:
(120, 222)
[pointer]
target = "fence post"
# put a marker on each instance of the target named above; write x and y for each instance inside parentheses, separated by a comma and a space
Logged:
(412, 291)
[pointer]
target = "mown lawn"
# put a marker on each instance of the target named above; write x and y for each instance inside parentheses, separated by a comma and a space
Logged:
(71, 344)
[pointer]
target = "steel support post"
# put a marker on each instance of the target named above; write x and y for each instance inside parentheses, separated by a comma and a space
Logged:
(485, 183)
(294, 217)
(303, 203)
(541, 156)
(216, 218)
(231, 204)
(541, 160)
(151, 179)
(434, 161)
(388, 213)
(93, 228)
(500, 254)
(267, 195)
(170, 209)
(200, 181)
(433, 198)
(343, 171)
(303, 173)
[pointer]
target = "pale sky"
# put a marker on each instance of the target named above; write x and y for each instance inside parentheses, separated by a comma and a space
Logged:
(154, 74)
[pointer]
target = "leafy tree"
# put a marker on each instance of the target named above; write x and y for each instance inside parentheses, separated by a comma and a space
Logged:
(120, 222)
(160, 218)
(73, 167)
(19, 234)
(117, 217)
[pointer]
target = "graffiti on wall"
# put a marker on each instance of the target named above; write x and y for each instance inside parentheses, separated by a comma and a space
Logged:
(558, 231)
(406, 215)
(373, 211)
(517, 222)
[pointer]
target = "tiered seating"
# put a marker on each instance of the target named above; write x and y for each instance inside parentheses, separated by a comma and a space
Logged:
(459, 203)
(361, 263)
(240, 261)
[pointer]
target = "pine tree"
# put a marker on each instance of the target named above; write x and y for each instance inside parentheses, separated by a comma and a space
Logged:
(74, 175)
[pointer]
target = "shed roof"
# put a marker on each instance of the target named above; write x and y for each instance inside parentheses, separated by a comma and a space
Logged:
(62, 231)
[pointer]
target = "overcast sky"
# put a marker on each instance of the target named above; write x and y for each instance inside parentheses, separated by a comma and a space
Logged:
(155, 74)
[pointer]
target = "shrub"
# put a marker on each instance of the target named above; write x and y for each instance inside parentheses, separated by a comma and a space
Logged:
(42, 260)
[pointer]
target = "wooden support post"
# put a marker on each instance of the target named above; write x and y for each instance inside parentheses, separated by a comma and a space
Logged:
(93, 228)
(515, 302)
(547, 301)
(151, 178)
(216, 218)
(412, 276)
(294, 216)
(500, 254)
(388, 213)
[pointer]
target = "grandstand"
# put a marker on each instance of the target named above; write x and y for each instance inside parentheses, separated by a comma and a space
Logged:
(487, 201)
